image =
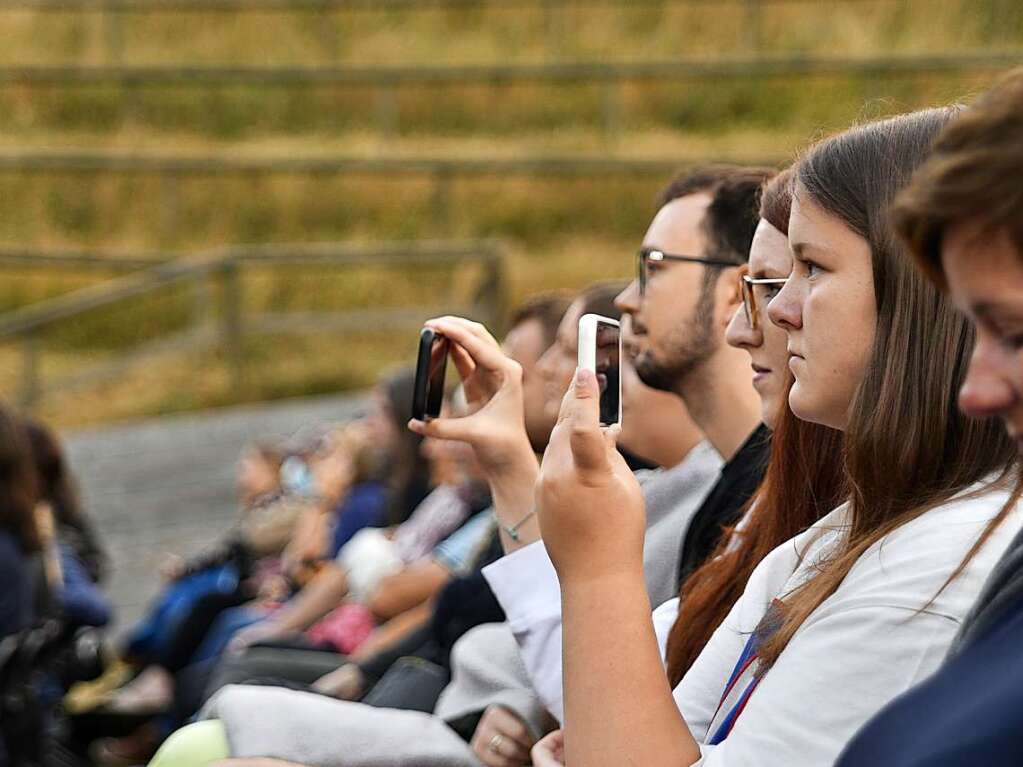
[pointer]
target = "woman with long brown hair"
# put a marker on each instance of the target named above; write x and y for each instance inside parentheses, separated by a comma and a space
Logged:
(963, 219)
(862, 605)
(804, 478)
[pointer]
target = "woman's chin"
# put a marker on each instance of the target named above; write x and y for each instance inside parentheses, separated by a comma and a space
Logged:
(807, 407)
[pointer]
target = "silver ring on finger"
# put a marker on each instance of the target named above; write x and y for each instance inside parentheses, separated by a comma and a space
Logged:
(495, 743)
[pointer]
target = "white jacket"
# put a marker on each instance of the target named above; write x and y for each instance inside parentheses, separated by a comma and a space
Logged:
(869, 641)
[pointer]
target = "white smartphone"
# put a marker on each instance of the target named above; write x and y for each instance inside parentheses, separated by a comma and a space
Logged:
(600, 350)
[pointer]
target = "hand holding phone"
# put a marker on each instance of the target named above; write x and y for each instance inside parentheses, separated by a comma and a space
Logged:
(600, 350)
(493, 389)
(431, 366)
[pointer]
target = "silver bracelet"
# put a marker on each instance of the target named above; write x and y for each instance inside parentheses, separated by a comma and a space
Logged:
(513, 531)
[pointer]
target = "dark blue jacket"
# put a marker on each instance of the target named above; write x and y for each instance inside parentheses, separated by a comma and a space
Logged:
(16, 586)
(364, 506)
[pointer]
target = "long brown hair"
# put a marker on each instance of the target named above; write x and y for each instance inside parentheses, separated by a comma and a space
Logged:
(908, 448)
(805, 480)
(19, 485)
(57, 486)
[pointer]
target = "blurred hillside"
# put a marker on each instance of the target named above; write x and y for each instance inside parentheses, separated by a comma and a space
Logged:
(123, 125)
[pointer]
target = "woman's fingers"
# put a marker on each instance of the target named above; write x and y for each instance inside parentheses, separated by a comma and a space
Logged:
(511, 727)
(580, 416)
(458, 429)
(475, 328)
(474, 339)
(463, 361)
(548, 752)
(498, 739)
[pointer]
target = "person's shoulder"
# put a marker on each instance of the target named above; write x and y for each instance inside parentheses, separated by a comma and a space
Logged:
(702, 455)
(787, 565)
(802, 551)
(924, 562)
(701, 463)
(956, 524)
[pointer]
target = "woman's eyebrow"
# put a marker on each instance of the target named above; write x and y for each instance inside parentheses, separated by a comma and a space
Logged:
(769, 273)
(799, 249)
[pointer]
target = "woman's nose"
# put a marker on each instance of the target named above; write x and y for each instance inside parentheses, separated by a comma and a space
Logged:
(740, 332)
(786, 309)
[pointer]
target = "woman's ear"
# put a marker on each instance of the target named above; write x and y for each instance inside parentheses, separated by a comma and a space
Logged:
(729, 294)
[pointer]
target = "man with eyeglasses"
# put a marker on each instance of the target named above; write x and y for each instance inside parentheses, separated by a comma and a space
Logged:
(684, 295)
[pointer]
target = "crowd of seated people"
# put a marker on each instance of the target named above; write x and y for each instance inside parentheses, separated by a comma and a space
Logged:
(802, 545)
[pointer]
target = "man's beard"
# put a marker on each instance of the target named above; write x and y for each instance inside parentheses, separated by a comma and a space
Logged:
(692, 343)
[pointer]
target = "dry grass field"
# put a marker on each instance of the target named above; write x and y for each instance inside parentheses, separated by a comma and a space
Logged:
(559, 230)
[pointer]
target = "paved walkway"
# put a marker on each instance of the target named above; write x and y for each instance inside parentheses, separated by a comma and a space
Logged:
(167, 484)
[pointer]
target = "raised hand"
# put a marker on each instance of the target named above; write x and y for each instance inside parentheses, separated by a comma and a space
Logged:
(492, 381)
(591, 508)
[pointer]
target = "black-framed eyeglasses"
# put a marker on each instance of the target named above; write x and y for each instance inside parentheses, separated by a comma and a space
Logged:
(646, 255)
(750, 299)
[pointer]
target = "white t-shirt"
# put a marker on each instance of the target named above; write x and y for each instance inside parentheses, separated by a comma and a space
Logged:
(884, 629)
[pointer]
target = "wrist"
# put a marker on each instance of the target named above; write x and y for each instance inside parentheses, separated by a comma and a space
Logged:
(588, 582)
(506, 455)
(510, 460)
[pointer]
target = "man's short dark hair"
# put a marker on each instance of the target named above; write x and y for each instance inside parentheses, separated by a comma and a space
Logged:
(734, 210)
(547, 309)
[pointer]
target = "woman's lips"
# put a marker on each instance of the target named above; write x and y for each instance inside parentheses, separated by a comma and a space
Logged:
(760, 373)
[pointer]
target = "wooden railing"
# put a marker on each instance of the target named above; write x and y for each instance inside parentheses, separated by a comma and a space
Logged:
(226, 324)
(385, 82)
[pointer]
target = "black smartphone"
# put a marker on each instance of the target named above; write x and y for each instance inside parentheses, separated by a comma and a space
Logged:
(431, 365)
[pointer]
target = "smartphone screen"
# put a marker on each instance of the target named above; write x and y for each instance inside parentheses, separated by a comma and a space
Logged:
(431, 365)
(608, 370)
(600, 350)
